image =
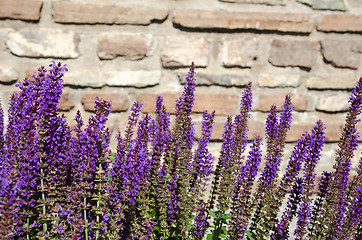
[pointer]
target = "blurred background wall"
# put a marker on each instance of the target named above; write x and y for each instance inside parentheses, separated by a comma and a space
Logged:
(132, 50)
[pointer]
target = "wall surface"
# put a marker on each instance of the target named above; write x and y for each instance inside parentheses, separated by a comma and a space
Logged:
(128, 51)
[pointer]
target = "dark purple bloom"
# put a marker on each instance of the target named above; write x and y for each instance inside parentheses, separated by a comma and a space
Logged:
(241, 201)
(199, 225)
(203, 160)
(282, 229)
(313, 156)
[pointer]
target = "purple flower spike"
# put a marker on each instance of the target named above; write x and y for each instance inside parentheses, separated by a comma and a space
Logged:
(315, 147)
(241, 196)
(202, 164)
(336, 199)
(281, 231)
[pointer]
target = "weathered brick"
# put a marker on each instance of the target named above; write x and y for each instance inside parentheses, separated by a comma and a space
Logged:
(297, 53)
(53, 43)
(340, 53)
(345, 81)
(217, 130)
(256, 128)
(8, 76)
(239, 52)
(226, 80)
(119, 101)
(299, 101)
(333, 103)
(180, 51)
(325, 4)
(222, 104)
(149, 101)
(340, 23)
(112, 78)
(71, 12)
(332, 131)
(64, 103)
(266, 2)
(278, 80)
(20, 9)
(221, 19)
(132, 46)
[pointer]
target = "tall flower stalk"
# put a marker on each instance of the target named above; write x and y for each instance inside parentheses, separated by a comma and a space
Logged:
(62, 182)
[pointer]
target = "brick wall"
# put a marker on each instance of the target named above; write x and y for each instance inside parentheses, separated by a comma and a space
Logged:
(132, 50)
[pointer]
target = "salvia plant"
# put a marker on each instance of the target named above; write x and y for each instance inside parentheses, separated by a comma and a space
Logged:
(62, 182)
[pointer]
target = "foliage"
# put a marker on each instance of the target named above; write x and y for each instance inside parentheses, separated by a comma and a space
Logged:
(62, 182)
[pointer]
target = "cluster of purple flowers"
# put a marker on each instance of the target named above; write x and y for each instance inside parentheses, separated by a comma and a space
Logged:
(62, 182)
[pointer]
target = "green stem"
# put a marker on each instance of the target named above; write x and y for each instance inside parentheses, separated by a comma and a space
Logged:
(45, 227)
(27, 226)
(85, 218)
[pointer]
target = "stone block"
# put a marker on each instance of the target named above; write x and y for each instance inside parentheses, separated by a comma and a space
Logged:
(180, 51)
(325, 4)
(47, 43)
(225, 80)
(239, 52)
(231, 20)
(279, 80)
(99, 79)
(345, 81)
(341, 53)
(296, 53)
(333, 103)
(88, 13)
(8, 76)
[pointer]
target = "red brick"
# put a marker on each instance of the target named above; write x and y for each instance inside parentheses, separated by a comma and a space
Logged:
(298, 53)
(300, 102)
(71, 12)
(128, 45)
(64, 103)
(256, 128)
(119, 101)
(221, 19)
(217, 130)
(340, 23)
(149, 101)
(20, 9)
(221, 103)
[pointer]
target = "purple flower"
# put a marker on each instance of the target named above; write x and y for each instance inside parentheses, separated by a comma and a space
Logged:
(203, 160)
(198, 228)
(313, 156)
(282, 229)
(336, 199)
(241, 195)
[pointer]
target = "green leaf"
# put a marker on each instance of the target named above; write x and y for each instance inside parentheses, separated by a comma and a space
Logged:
(211, 213)
(223, 232)
(226, 216)
(209, 236)
(250, 235)
(152, 214)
